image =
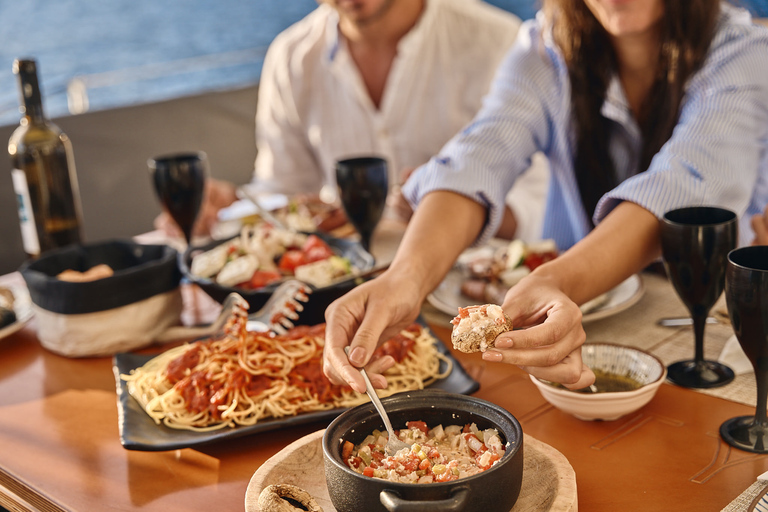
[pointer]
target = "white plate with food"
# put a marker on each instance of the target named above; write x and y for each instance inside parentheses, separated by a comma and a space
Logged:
(14, 299)
(468, 282)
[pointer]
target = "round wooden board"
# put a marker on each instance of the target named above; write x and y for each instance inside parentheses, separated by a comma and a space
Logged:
(549, 483)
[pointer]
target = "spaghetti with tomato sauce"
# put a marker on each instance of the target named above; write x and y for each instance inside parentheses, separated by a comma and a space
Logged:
(244, 377)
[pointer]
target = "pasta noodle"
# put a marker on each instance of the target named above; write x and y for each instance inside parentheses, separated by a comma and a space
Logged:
(245, 377)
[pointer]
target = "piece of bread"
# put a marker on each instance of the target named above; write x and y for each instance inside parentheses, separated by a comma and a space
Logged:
(92, 274)
(475, 328)
(274, 498)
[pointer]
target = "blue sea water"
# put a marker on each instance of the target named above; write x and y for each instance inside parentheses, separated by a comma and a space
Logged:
(135, 51)
(200, 44)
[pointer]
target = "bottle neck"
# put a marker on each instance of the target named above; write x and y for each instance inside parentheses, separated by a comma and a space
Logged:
(33, 113)
(31, 104)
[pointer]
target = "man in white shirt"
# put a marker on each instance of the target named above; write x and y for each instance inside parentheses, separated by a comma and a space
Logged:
(393, 78)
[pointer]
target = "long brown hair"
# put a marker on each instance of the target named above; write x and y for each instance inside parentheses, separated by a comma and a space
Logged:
(687, 28)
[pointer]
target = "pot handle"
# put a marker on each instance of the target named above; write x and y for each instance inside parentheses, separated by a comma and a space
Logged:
(394, 503)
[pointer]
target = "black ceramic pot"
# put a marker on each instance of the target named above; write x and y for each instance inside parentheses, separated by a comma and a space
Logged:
(319, 299)
(494, 490)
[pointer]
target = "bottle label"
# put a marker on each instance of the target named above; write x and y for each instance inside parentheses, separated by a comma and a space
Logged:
(29, 238)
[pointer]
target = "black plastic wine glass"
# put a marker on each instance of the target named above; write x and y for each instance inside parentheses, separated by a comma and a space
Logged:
(695, 243)
(179, 181)
(363, 184)
(746, 295)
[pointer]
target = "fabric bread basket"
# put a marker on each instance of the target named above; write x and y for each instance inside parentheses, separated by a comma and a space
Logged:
(117, 313)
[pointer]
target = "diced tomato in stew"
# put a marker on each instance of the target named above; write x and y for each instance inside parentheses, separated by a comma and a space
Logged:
(421, 425)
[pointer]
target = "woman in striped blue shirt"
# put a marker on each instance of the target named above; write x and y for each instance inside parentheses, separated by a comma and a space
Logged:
(641, 106)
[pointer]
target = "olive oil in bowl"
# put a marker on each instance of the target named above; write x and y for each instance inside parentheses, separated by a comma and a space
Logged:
(606, 382)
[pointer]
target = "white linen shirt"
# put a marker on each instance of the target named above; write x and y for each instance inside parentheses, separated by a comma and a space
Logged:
(314, 109)
(717, 154)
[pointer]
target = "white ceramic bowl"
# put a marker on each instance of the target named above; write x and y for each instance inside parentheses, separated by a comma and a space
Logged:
(635, 363)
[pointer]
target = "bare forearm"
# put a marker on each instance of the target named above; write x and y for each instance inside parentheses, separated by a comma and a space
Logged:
(508, 227)
(624, 243)
(443, 225)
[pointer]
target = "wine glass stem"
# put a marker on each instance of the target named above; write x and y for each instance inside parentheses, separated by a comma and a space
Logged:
(761, 374)
(365, 240)
(699, 321)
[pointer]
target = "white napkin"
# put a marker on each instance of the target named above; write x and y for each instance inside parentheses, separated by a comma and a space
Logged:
(244, 207)
(237, 210)
(734, 357)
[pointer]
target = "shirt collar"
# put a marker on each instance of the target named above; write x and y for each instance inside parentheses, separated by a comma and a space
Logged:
(332, 37)
(407, 43)
(615, 106)
(412, 40)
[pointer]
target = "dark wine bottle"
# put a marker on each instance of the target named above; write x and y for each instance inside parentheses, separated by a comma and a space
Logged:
(43, 172)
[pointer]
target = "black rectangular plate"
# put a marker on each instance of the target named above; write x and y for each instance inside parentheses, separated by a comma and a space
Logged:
(140, 432)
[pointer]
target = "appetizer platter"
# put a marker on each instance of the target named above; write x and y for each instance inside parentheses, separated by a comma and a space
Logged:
(264, 254)
(15, 309)
(281, 396)
(257, 260)
(484, 274)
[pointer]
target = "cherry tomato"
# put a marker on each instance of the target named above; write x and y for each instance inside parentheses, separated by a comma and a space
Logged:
(315, 249)
(262, 278)
(292, 259)
(533, 260)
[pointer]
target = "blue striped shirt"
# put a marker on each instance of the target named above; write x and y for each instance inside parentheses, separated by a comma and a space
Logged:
(717, 154)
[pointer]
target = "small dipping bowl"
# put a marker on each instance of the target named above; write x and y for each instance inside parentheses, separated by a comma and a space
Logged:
(493, 490)
(627, 378)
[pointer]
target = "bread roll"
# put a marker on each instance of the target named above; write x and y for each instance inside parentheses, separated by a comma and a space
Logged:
(475, 328)
(92, 274)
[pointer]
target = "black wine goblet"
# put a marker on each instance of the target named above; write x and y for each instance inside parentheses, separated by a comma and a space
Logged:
(179, 181)
(363, 184)
(695, 243)
(746, 296)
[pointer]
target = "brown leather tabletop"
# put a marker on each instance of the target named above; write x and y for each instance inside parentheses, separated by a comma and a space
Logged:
(59, 445)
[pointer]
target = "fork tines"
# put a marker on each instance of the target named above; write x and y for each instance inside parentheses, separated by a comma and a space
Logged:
(282, 314)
